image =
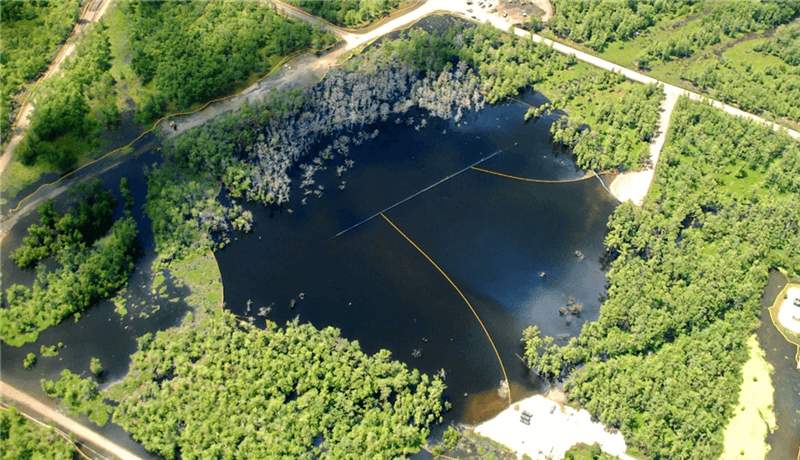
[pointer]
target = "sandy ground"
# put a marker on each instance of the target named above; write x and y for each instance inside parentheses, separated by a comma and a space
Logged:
(93, 11)
(549, 435)
(745, 435)
(80, 431)
(634, 185)
(789, 315)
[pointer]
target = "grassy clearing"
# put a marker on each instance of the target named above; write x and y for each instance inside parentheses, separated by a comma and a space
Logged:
(200, 273)
(129, 86)
(18, 176)
(746, 433)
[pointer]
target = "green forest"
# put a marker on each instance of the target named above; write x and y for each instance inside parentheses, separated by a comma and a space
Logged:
(78, 396)
(293, 392)
(355, 13)
(744, 53)
(95, 255)
(663, 361)
(163, 56)
(31, 33)
(609, 121)
(23, 440)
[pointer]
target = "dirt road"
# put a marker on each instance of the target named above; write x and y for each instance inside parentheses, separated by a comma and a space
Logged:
(31, 406)
(631, 185)
(92, 12)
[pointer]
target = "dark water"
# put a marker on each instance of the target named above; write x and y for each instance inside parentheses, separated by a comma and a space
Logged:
(785, 441)
(492, 235)
(100, 332)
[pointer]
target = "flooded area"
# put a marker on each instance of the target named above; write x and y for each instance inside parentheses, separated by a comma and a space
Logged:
(518, 251)
(101, 332)
(785, 441)
(509, 245)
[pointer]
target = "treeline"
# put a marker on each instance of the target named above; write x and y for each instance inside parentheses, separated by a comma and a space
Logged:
(771, 88)
(31, 33)
(214, 388)
(598, 23)
(87, 219)
(62, 119)
(93, 266)
(78, 396)
(784, 43)
(354, 13)
(614, 133)
(181, 52)
(23, 440)
(195, 51)
(605, 130)
(723, 19)
(663, 361)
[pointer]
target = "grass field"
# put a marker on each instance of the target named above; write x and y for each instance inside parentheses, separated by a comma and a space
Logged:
(756, 82)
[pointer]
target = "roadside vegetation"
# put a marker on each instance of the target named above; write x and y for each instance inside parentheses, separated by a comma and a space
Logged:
(606, 120)
(251, 154)
(31, 33)
(95, 257)
(663, 363)
(78, 396)
(742, 53)
(164, 57)
(23, 440)
(357, 13)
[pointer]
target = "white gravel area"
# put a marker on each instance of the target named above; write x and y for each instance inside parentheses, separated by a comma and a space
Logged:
(789, 314)
(549, 435)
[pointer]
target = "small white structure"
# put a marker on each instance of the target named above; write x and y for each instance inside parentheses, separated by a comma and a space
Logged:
(789, 313)
(550, 432)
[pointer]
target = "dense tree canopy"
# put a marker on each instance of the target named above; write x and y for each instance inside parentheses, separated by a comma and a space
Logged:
(23, 440)
(713, 46)
(192, 51)
(93, 266)
(61, 119)
(183, 52)
(597, 23)
(31, 33)
(663, 361)
(353, 13)
(78, 396)
(87, 219)
(215, 388)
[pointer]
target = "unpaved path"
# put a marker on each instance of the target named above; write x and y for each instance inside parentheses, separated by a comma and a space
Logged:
(93, 11)
(633, 185)
(303, 70)
(629, 186)
(81, 432)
